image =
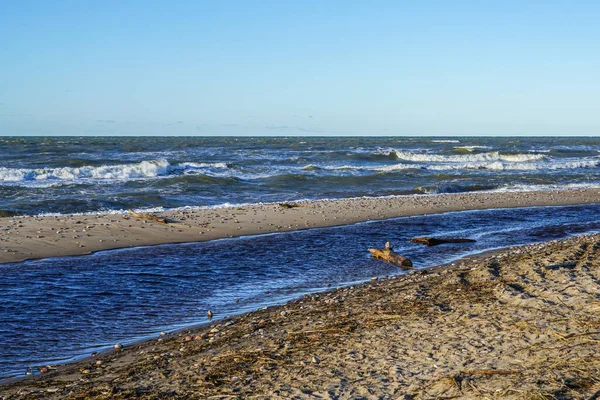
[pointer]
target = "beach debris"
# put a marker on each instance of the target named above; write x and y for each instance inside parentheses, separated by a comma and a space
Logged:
(288, 205)
(315, 360)
(388, 254)
(209, 314)
(427, 241)
(149, 217)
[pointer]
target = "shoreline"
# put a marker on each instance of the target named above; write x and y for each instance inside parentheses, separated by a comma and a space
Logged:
(143, 341)
(35, 237)
(523, 318)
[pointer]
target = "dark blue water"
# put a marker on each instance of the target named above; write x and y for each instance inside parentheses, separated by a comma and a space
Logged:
(55, 309)
(86, 174)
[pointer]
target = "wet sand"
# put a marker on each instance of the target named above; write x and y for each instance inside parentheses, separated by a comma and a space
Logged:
(521, 323)
(39, 237)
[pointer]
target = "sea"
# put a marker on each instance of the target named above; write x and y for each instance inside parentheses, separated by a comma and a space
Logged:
(65, 175)
(58, 310)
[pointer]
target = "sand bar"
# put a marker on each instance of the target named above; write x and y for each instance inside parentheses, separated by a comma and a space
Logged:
(54, 236)
(515, 324)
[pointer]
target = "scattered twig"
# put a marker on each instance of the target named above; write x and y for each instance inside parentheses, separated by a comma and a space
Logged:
(492, 372)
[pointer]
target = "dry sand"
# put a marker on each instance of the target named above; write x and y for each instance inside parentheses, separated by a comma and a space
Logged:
(518, 324)
(39, 237)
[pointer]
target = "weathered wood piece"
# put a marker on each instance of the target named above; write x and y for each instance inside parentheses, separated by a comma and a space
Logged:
(388, 254)
(436, 241)
(148, 217)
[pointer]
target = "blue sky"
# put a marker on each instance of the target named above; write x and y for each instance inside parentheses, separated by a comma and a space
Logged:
(299, 68)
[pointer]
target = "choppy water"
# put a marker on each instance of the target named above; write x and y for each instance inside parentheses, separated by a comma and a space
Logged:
(63, 308)
(68, 175)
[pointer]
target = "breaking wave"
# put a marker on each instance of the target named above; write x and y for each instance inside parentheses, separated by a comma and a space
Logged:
(470, 148)
(496, 166)
(455, 166)
(120, 172)
(489, 156)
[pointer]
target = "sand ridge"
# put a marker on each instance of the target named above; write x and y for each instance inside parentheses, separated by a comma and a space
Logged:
(33, 237)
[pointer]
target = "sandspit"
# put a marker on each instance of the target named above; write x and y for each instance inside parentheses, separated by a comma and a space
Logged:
(521, 323)
(25, 238)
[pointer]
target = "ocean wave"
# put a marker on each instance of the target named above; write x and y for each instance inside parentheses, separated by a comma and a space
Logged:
(471, 148)
(398, 167)
(489, 156)
(192, 165)
(445, 141)
(119, 172)
(494, 165)
(312, 167)
(504, 166)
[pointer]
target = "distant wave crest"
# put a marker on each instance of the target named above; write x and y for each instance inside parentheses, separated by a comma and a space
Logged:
(489, 156)
(495, 165)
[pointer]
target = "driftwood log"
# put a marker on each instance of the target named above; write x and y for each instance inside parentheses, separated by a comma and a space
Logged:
(435, 241)
(148, 217)
(388, 254)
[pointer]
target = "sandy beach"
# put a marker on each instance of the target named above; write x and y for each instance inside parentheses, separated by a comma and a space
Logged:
(521, 323)
(25, 238)
(291, 200)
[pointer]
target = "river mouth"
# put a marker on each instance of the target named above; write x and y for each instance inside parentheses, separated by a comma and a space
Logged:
(60, 309)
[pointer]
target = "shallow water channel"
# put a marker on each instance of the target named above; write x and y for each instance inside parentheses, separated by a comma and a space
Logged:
(60, 309)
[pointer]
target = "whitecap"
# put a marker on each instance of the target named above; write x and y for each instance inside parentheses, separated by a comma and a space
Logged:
(471, 148)
(507, 166)
(143, 169)
(203, 165)
(489, 156)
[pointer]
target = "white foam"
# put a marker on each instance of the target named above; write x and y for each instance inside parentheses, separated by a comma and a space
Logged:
(144, 169)
(118, 172)
(505, 166)
(489, 156)
(471, 148)
(495, 165)
(203, 165)
(397, 167)
(536, 188)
